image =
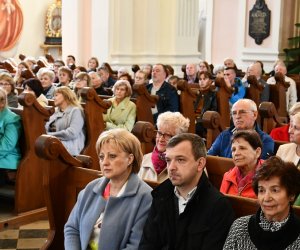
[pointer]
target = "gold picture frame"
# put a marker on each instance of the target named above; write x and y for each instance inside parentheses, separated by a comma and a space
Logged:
(53, 23)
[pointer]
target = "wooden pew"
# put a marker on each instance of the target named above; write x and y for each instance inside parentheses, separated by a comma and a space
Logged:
(223, 95)
(145, 132)
(144, 102)
(28, 185)
(216, 167)
(269, 117)
(212, 122)
(64, 176)
(254, 90)
(187, 99)
(296, 78)
(269, 120)
(93, 107)
(278, 96)
(243, 206)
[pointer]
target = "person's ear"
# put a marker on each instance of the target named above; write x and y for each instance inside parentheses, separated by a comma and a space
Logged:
(130, 159)
(255, 114)
(258, 152)
(292, 198)
(201, 163)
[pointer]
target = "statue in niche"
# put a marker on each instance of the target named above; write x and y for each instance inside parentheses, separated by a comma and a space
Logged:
(53, 23)
(11, 23)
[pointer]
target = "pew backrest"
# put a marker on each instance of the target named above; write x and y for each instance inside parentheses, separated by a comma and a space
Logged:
(28, 185)
(216, 167)
(63, 178)
(144, 103)
(187, 99)
(93, 107)
(223, 95)
(269, 117)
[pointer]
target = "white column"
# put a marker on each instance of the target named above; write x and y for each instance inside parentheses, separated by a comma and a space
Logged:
(157, 31)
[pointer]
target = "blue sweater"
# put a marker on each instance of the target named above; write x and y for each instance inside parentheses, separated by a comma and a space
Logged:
(222, 145)
(10, 131)
(123, 221)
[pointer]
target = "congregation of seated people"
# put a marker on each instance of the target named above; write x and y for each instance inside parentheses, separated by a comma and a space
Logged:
(177, 162)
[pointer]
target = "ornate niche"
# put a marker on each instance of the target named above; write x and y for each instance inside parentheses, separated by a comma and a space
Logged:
(53, 24)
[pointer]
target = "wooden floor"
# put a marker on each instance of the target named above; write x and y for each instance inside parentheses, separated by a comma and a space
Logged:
(30, 236)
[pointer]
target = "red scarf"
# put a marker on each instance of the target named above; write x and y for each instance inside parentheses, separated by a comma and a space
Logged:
(106, 192)
(158, 160)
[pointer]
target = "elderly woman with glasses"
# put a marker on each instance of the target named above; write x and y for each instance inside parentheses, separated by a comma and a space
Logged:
(154, 166)
(275, 225)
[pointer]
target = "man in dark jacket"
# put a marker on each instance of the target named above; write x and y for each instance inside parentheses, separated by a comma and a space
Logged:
(187, 212)
(168, 98)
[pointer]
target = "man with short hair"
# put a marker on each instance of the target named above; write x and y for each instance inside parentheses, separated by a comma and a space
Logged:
(97, 83)
(234, 82)
(244, 114)
(291, 93)
(107, 80)
(191, 73)
(187, 212)
(168, 98)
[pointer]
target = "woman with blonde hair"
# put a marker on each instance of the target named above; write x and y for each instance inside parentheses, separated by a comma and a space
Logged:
(67, 123)
(122, 113)
(154, 165)
(111, 211)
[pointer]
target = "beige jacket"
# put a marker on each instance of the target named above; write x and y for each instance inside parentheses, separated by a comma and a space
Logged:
(287, 152)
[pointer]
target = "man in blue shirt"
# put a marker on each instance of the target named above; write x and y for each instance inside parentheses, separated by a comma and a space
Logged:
(244, 114)
(232, 81)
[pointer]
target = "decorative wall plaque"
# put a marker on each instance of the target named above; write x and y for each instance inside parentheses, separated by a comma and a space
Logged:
(53, 23)
(259, 21)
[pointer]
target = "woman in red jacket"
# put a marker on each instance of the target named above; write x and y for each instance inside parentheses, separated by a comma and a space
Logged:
(246, 149)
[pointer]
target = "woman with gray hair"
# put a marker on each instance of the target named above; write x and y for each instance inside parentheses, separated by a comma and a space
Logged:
(154, 166)
(122, 113)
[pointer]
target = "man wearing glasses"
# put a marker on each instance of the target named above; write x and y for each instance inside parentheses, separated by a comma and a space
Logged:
(244, 115)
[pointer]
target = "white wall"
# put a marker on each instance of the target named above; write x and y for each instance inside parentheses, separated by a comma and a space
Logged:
(33, 34)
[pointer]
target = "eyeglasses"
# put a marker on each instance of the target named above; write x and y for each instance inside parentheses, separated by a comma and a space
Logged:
(240, 112)
(4, 84)
(166, 136)
(79, 80)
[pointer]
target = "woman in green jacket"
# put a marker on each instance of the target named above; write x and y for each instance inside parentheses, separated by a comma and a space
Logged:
(122, 113)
